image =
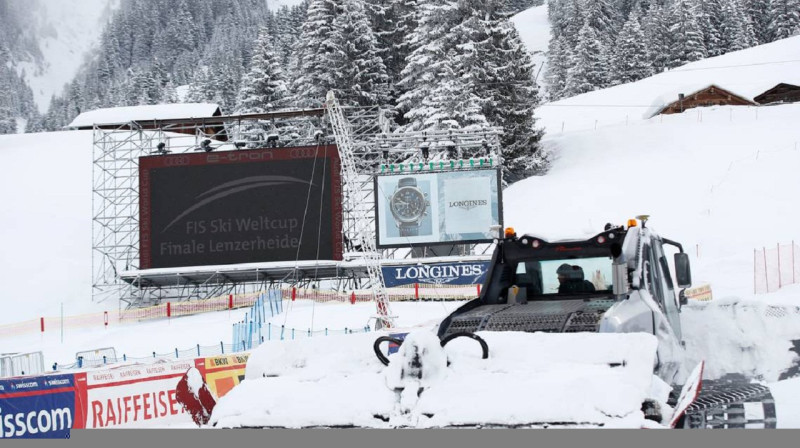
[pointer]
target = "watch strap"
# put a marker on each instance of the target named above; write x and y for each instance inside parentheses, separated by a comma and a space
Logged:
(409, 229)
(407, 182)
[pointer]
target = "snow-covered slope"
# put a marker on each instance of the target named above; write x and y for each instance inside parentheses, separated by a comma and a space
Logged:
(747, 73)
(45, 224)
(68, 30)
(722, 186)
(534, 29)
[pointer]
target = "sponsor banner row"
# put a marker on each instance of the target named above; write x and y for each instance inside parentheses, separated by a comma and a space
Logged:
(126, 397)
(473, 273)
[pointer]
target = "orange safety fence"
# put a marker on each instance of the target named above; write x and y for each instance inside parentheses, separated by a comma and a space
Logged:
(221, 303)
(396, 294)
(775, 267)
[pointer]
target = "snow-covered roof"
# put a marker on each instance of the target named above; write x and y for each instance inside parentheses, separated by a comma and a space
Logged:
(671, 95)
(144, 113)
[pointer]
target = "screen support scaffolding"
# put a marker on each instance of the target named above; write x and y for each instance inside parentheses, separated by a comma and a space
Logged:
(115, 186)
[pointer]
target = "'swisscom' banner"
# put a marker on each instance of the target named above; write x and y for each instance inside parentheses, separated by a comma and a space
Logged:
(449, 207)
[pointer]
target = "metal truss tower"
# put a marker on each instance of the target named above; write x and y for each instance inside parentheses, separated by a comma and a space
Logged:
(363, 230)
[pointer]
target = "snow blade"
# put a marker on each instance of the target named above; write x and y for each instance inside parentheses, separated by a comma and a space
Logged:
(193, 394)
(689, 393)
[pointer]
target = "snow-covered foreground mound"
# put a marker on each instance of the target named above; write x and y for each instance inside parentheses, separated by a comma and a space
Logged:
(528, 379)
(739, 336)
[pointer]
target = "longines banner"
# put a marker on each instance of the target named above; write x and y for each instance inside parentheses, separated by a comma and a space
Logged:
(436, 274)
(243, 206)
(448, 207)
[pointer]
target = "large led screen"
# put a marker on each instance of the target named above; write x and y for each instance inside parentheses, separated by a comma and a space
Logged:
(246, 206)
(448, 207)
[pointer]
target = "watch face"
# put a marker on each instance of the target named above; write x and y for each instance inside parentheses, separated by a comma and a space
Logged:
(408, 204)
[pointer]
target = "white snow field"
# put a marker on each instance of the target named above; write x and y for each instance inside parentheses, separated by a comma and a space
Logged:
(534, 30)
(720, 180)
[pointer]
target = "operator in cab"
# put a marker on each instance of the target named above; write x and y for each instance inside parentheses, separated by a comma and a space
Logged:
(571, 280)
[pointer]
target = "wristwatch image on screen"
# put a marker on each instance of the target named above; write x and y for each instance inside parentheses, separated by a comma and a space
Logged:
(409, 205)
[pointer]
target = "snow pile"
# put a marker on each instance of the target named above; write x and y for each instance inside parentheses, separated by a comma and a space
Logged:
(741, 336)
(328, 381)
(529, 379)
(194, 381)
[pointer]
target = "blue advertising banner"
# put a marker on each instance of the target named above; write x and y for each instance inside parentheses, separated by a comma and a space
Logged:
(38, 407)
(469, 273)
(393, 348)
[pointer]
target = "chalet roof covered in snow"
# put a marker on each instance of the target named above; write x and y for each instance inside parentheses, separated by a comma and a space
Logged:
(667, 102)
(120, 115)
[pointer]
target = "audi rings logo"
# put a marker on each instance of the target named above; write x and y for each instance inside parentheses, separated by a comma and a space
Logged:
(302, 153)
(176, 161)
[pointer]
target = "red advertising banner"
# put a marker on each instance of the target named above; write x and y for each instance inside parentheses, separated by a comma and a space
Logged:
(133, 396)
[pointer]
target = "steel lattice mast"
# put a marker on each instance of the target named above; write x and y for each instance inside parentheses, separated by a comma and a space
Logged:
(363, 231)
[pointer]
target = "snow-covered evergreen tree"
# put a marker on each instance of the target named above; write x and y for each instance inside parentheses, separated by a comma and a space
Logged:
(659, 39)
(313, 78)
(451, 105)
(264, 85)
(558, 62)
(470, 70)
(630, 53)
(8, 124)
(687, 38)
(169, 93)
(511, 97)
(709, 16)
(603, 18)
(737, 31)
(392, 22)
(758, 11)
(357, 72)
(589, 66)
(429, 46)
(784, 18)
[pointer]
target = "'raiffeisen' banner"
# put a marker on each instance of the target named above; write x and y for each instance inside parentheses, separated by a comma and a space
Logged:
(223, 373)
(135, 396)
(38, 407)
(465, 273)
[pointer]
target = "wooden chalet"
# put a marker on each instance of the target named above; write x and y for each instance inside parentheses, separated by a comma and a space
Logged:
(708, 96)
(782, 93)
